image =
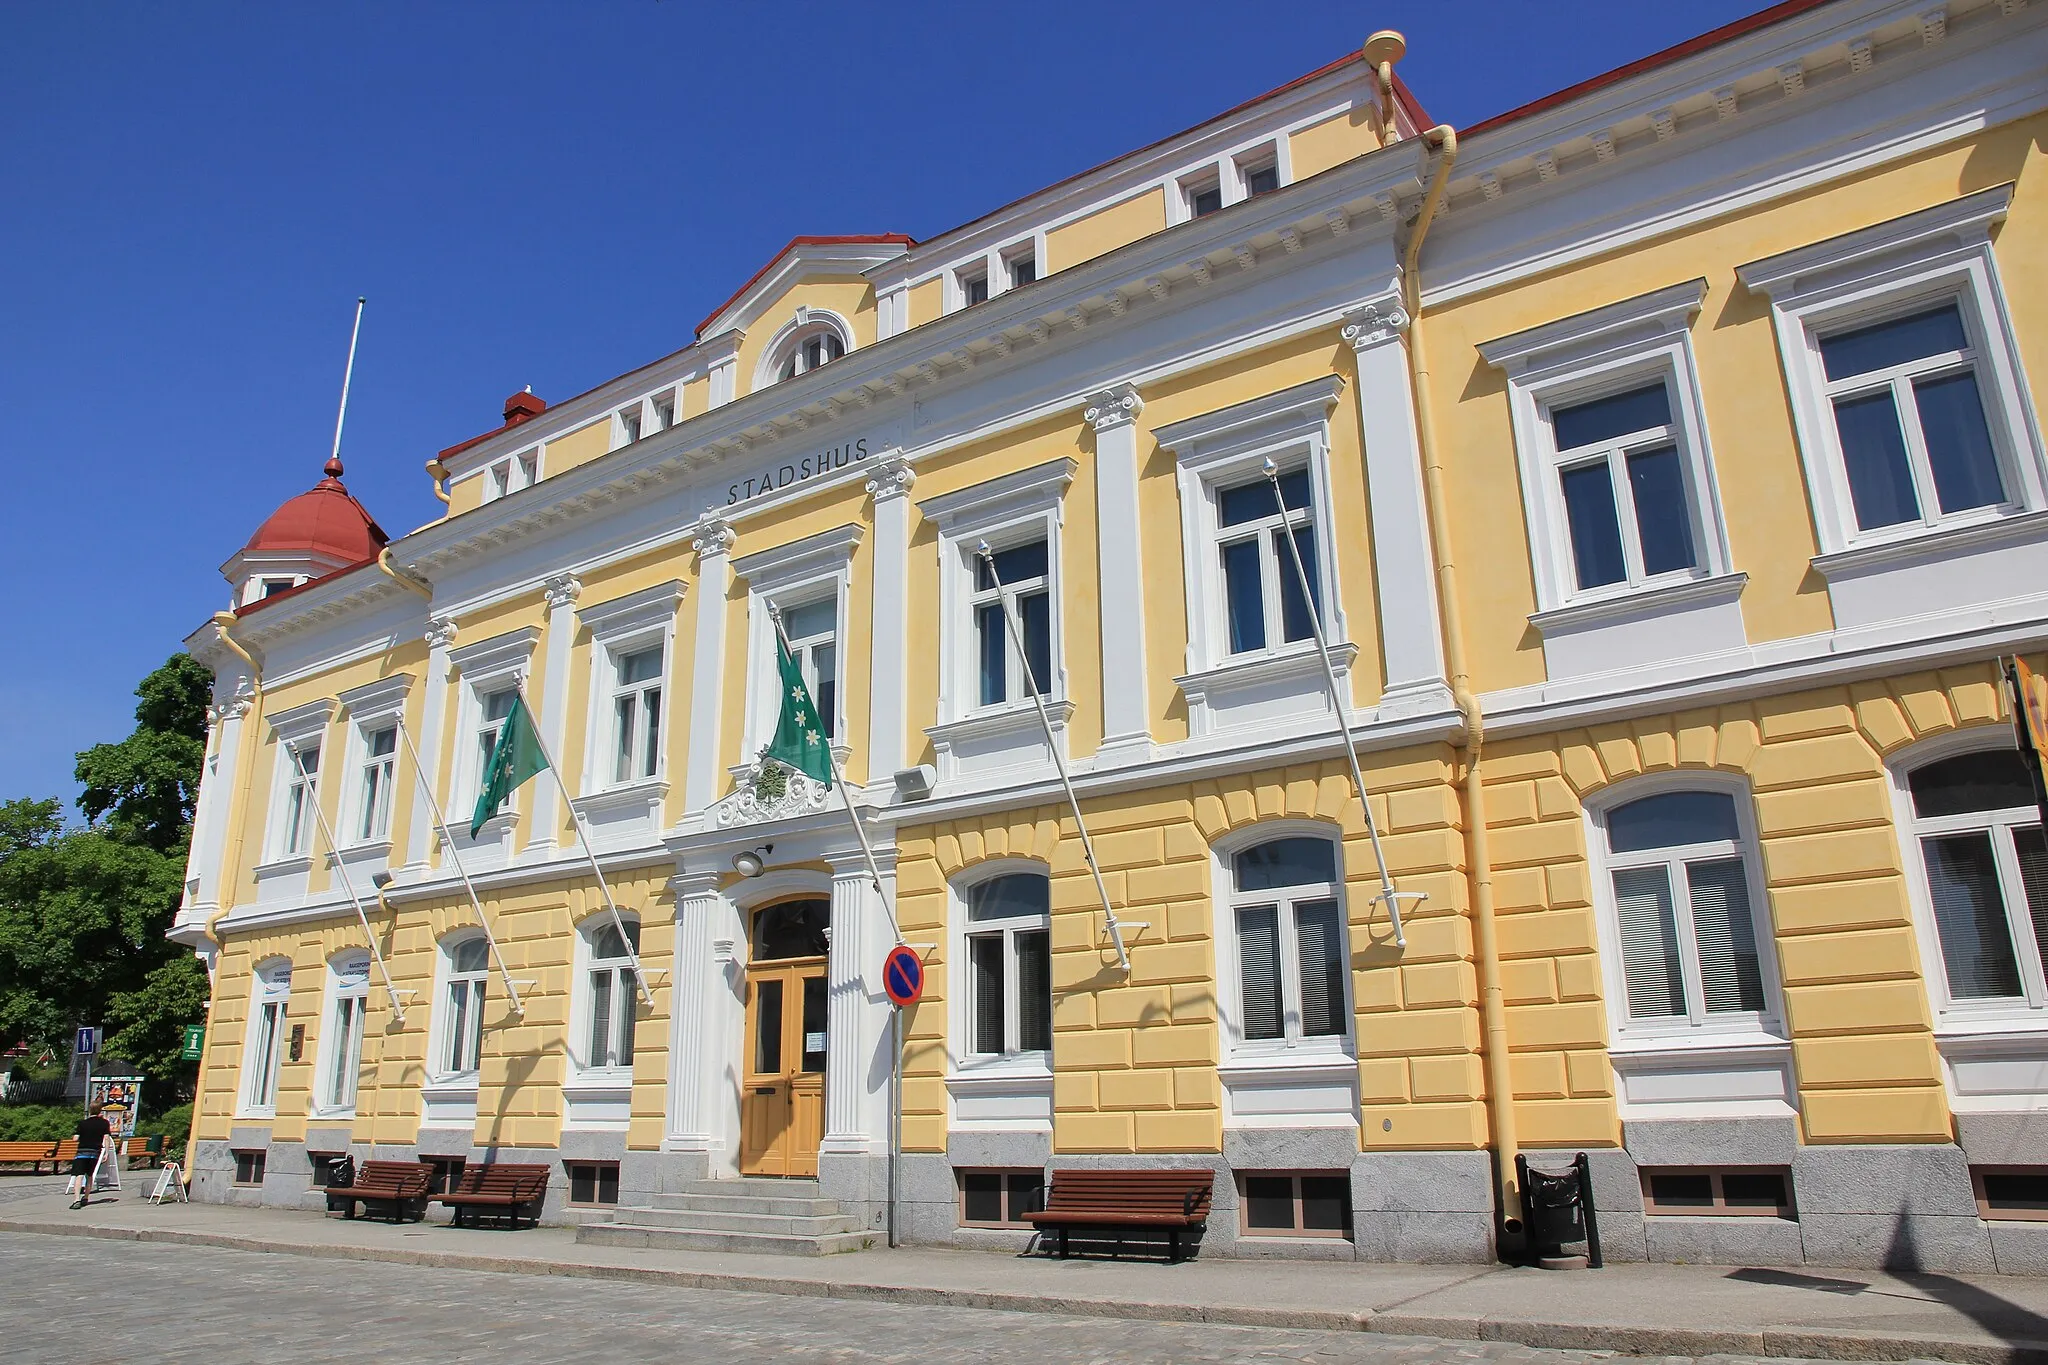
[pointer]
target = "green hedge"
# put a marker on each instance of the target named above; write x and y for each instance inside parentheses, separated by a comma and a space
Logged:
(52, 1122)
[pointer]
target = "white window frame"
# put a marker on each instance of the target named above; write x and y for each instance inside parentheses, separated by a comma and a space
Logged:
(300, 727)
(815, 569)
(992, 264)
(370, 708)
(662, 408)
(804, 324)
(1584, 358)
(442, 1039)
(629, 423)
(1894, 269)
(1226, 173)
(1700, 1027)
(1009, 1059)
(2028, 1014)
(341, 1049)
(270, 988)
(966, 276)
(1291, 1045)
(485, 668)
(620, 627)
(587, 964)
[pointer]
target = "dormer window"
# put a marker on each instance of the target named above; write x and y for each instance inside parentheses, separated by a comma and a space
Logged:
(1023, 268)
(973, 286)
(1261, 179)
(664, 411)
(819, 346)
(1204, 197)
(629, 423)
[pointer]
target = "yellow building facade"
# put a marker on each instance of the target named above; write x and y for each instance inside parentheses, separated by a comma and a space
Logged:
(1659, 465)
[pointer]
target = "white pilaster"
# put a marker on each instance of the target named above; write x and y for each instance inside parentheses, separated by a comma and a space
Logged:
(1411, 630)
(888, 689)
(713, 542)
(1126, 731)
(216, 795)
(419, 844)
(562, 591)
(704, 1033)
(856, 1019)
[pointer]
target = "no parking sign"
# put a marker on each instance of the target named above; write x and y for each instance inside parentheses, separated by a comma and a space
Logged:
(902, 976)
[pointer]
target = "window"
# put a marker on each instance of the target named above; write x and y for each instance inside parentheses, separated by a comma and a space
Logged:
(1009, 965)
(447, 1170)
(1262, 594)
(380, 756)
(249, 1167)
(813, 631)
(1292, 958)
(265, 1046)
(1296, 1204)
(636, 715)
(469, 962)
(323, 1164)
(1260, 179)
(613, 992)
(1021, 582)
(301, 790)
(1627, 510)
(1682, 884)
(1023, 269)
(348, 993)
(1203, 197)
(629, 424)
(812, 349)
(1734, 1193)
(593, 1184)
(498, 481)
(1984, 863)
(2011, 1193)
(492, 708)
(271, 587)
(1000, 1199)
(664, 410)
(973, 286)
(529, 469)
(1909, 420)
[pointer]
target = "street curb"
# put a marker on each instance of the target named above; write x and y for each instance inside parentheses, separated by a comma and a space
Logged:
(1625, 1340)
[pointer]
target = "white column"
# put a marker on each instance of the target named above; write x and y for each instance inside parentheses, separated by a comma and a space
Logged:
(703, 1086)
(1120, 570)
(856, 1019)
(713, 542)
(1411, 632)
(888, 687)
(562, 591)
(216, 797)
(433, 705)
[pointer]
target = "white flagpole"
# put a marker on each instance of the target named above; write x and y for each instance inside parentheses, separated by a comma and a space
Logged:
(839, 782)
(583, 841)
(326, 834)
(1343, 710)
(347, 374)
(419, 773)
(1052, 744)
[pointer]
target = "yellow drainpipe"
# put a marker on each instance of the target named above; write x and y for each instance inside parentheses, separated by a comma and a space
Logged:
(1500, 1089)
(438, 472)
(399, 576)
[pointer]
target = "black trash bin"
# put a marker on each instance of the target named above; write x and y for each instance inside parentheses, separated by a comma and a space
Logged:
(1557, 1207)
(341, 1175)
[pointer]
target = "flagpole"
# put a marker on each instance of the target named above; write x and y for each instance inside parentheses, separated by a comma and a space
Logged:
(1052, 744)
(1341, 707)
(313, 798)
(419, 773)
(576, 818)
(839, 782)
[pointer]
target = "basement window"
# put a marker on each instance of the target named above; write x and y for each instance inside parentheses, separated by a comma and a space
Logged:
(249, 1167)
(1295, 1204)
(447, 1170)
(323, 1164)
(1757, 1192)
(2011, 1193)
(593, 1184)
(1000, 1199)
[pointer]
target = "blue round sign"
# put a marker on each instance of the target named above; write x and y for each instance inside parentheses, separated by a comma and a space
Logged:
(903, 976)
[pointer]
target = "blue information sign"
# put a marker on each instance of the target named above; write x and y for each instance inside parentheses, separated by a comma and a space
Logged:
(88, 1042)
(903, 976)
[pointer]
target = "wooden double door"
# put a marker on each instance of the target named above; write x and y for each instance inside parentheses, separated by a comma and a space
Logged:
(782, 1096)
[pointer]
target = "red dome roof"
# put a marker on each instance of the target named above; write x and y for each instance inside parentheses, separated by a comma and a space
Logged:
(325, 520)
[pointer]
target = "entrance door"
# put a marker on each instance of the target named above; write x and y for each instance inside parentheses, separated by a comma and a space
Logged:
(782, 1104)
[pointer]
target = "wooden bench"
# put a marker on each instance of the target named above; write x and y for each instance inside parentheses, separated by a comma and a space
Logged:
(1173, 1200)
(505, 1185)
(56, 1155)
(147, 1152)
(401, 1184)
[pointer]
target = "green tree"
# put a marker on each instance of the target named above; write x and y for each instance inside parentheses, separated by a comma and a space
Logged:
(84, 909)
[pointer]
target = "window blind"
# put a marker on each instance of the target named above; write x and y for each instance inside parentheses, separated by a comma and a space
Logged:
(1969, 916)
(1729, 978)
(1258, 955)
(986, 953)
(1321, 943)
(2033, 850)
(1034, 990)
(1649, 943)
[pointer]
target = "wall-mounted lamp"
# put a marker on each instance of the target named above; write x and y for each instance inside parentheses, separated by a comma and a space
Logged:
(381, 880)
(752, 862)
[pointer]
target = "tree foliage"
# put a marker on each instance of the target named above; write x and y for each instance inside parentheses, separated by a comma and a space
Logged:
(84, 909)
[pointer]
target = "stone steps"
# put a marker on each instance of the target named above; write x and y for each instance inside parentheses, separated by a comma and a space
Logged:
(762, 1217)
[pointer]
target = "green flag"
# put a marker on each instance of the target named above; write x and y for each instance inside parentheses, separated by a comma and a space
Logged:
(514, 758)
(799, 736)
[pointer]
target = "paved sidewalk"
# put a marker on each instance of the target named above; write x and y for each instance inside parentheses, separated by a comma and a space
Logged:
(1639, 1309)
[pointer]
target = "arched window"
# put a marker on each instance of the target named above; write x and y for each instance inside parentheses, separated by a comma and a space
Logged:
(1985, 867)
(809, 347)
(613, 990)
(1009, 965)
(1292, 962)
(348, 990)
(469, 967)
(272, 988)
(790, 929)
(1682, 873)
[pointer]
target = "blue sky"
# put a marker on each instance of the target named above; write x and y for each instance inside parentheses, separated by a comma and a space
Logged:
(529, 194)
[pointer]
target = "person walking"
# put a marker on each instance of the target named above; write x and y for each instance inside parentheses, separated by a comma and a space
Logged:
(93, 1133)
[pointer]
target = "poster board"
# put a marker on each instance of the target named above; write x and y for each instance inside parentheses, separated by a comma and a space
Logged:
(122, 1098)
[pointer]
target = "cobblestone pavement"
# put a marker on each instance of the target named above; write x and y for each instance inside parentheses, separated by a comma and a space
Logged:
(15, 1188)
(104, 1301)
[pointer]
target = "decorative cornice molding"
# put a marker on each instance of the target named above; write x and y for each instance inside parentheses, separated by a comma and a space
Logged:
(1116, 406)
(1377, 323)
